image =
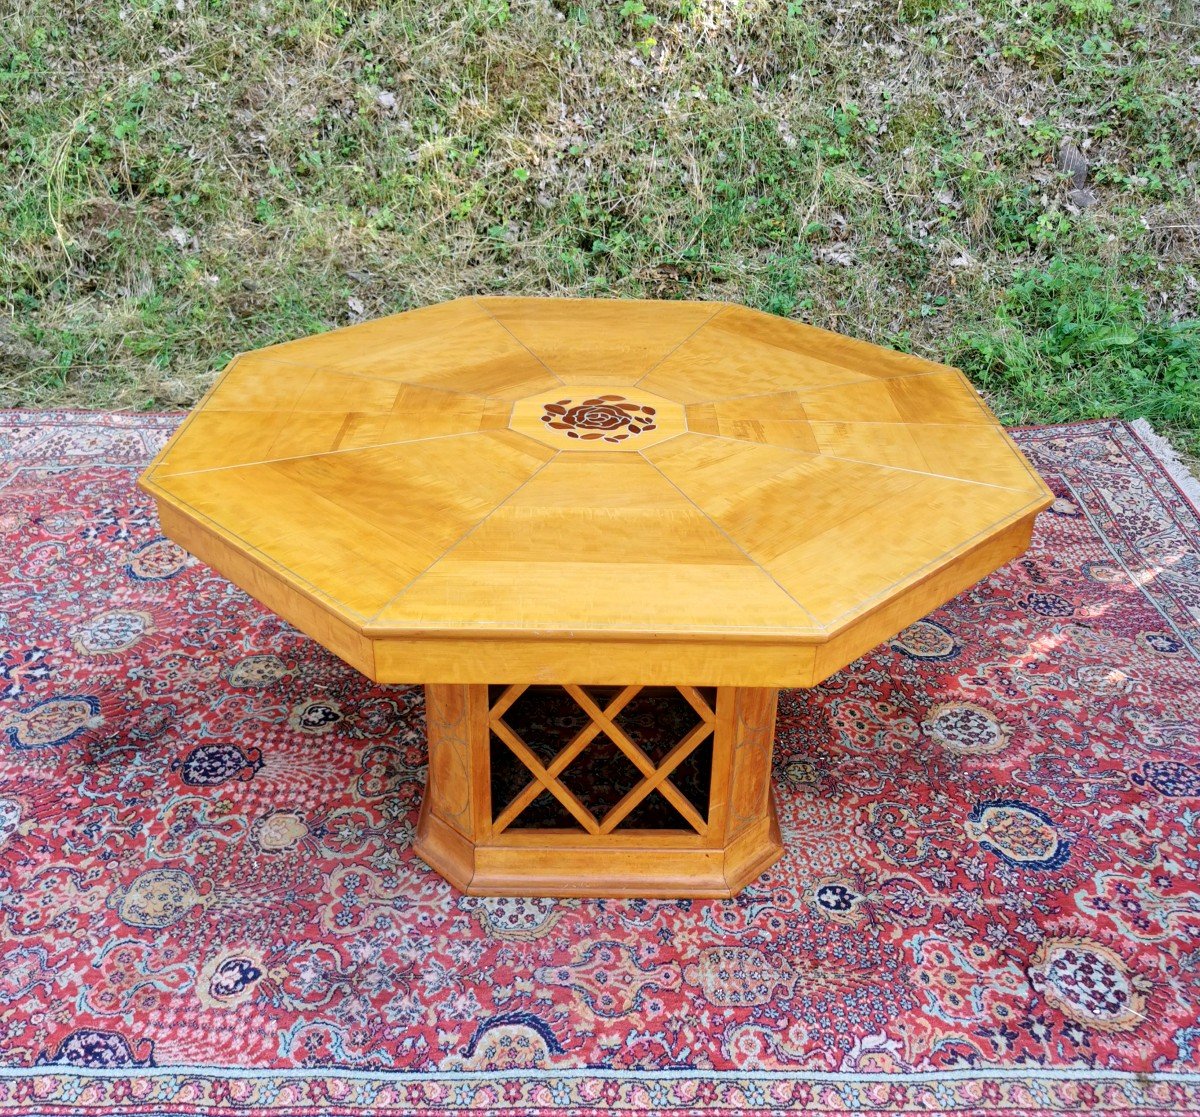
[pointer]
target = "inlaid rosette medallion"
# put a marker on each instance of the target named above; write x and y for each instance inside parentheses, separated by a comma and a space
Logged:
(592, 417)
(611, 417)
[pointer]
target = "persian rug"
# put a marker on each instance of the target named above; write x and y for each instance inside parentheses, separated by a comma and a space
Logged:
(990, 899)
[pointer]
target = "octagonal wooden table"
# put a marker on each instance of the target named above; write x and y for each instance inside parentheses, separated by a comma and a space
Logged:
(601, 534)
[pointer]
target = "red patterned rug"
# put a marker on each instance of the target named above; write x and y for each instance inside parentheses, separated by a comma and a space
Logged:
(208, 902)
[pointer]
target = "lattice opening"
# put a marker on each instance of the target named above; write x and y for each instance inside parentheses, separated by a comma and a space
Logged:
(693, 777)
(601, 777)
(654, 813)
(547, 813)
(546, 718)
(657, 719)
(509, 778)
(601, 759)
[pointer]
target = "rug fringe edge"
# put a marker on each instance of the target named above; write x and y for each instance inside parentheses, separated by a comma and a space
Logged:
(1170, 459)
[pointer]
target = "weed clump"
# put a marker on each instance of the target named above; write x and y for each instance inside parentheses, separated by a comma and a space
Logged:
(1067, 342)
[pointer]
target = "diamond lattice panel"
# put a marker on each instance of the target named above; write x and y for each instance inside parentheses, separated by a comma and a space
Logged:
(600, 760)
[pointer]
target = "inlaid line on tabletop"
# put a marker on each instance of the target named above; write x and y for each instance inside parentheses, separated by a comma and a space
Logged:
(152, 468)
(990, 427)
(265, 353)
(991, 424)
(854, 461)
(335, 453)
(156, 464)
(733, 542)
(825, 360)
(913, 575)
(771, 393)
(316, 593)
(519, 342)
(720, 309)
(288, 416)
(946, 370)
(909, 576)
(1015, 449)
(355, 375)
(869, 344)
(462, 538)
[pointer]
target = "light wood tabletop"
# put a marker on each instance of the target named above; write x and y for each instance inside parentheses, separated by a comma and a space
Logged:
(601, 534)
(557, 490)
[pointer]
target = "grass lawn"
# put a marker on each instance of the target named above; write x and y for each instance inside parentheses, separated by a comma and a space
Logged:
(1007, 186)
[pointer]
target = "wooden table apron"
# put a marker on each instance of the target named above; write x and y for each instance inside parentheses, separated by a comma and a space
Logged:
(697, 499)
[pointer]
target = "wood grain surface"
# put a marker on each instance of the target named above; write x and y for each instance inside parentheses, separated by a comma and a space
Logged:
(544, 490)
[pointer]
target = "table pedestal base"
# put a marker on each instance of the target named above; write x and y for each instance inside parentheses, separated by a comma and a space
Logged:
(599, 791)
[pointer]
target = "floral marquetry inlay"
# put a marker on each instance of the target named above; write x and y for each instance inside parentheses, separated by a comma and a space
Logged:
(613, 418)
(598, 417)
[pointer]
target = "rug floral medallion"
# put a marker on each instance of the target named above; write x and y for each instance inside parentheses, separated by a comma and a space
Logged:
(990, 898)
